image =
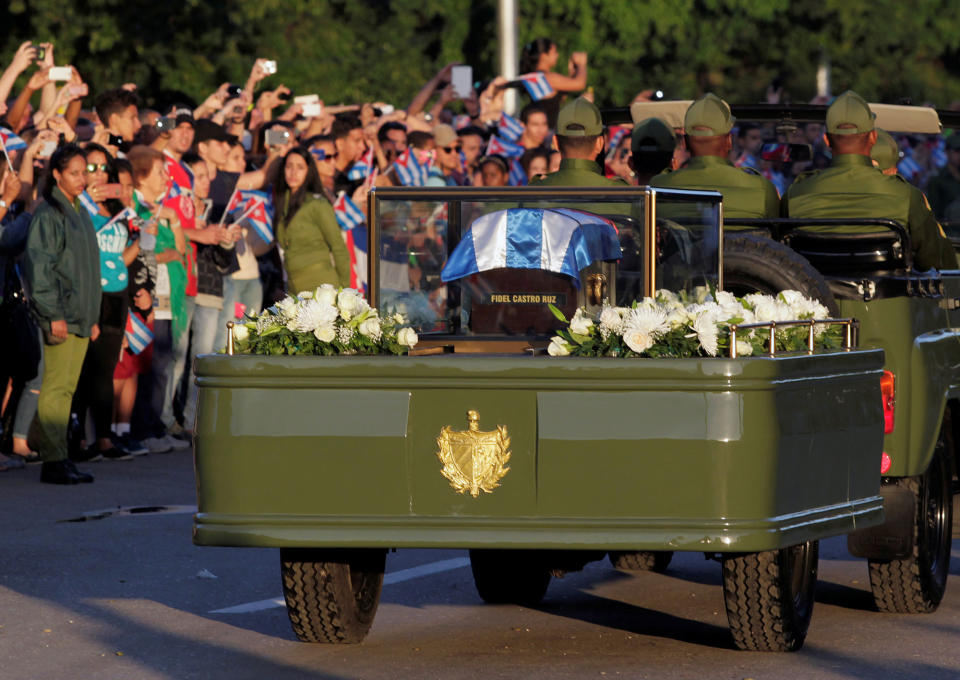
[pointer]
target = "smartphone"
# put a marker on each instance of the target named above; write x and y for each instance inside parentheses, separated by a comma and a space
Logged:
(166, 124)
(60, 73)
(462, 79)
(270, 67)
(41, 52)
(111, 190)
(657, 95)
(234, 91)
(312, 109)
(307, 99)
(115, 140)
(277, 136)
(47, 149)
(387, 109)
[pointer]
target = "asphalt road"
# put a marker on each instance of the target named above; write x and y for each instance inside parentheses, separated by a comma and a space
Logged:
(127, 595)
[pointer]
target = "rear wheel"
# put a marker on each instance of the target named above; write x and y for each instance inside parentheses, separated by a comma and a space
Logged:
(332, 595)
(756, 264)
(769, 596)
(916, 584)
(642, 560)
(509, 576)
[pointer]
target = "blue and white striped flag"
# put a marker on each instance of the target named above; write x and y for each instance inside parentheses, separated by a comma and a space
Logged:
(498, 147)
(409, 171)
(349, 215)
(517, 177)
(537, 86)
(362, 167)
(86, 200)
(509, 127)
(553, 239)
(10, 140)
(138, 334)
(909, 168)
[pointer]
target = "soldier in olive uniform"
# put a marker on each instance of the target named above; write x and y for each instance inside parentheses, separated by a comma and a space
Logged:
(580, 139)
(652, 143)
(852, 187)
(707, 126)
(885, 154)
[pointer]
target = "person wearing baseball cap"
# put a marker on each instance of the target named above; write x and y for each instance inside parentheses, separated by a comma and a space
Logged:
(652, 144)
(944, 187)
(580, 139)
(885, 154)
(707, 126)
(852, 187)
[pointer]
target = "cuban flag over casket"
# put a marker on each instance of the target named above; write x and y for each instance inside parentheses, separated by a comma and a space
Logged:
(559, 240)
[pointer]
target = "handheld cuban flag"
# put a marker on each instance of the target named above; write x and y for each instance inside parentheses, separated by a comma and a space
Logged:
(138, 334)
(537, 86)
(558, 240)
(11, 142)
(517, 177)
(349, 215)
(362, 167)
(409, 170)
(509, 128)
(90, 205)
(126, 214)
(499, 147)
(257, 209)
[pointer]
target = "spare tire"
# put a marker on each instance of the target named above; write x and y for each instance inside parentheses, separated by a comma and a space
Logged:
(757, 264)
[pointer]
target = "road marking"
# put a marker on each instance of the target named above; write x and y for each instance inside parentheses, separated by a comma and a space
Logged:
(388, 579)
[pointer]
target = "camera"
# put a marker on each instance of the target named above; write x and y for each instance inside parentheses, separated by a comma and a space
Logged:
(234, 91)
(657, 95)
(41, 52)
(166, 124)
(115, 140)
(277, 136)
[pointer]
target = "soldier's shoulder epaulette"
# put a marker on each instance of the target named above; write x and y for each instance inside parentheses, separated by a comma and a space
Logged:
(750, 171)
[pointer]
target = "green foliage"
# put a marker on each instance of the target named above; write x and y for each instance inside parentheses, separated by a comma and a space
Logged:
(347, 51)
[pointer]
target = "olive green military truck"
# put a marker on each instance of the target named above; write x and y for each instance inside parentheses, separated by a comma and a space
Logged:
(482, 439)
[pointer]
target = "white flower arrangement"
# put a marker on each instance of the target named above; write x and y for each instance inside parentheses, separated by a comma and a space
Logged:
(324, 321)
(690, 325)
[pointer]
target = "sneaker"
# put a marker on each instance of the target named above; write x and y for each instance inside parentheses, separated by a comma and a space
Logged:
(157, 444)
(177, 444)
(177, 432)
(132, 446)
(113, 453)
(88, 455)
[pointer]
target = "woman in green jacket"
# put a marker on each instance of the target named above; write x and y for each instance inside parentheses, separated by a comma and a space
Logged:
(313, 248)
(63, 276)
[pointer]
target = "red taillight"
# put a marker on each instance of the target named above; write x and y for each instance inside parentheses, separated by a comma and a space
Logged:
(887, 394)
(885, 463)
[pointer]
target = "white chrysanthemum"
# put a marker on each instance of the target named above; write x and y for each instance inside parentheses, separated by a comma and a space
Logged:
(370, 327)
(558, 347)
(345, 334)
(325, 333)
(708, 331)
(326, 293)
(643, 327)
(287, 308)
(351, 304)
(305, 295)
(240, 332)
(313, 313)
(407, 337)
(744, 348)
(581, 323)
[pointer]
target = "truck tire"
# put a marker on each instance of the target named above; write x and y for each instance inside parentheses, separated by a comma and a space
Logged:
(509, 576)
(642, 560)
(769, 596)
(915, 584)
(757, 264)
(332, 595)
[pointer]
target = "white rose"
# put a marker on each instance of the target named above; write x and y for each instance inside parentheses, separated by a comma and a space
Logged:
(581, 323)
(370, 327)
(407, 337)
(666, 296)
(326, 294)
(325, 333)
(558, 347)
(240, 332)
(637, 339)
(350, 303)
(792, 297)
(725, 299)
(744, 348)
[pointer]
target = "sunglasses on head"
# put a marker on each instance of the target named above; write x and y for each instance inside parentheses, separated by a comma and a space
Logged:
(322, 155)
(93, 167)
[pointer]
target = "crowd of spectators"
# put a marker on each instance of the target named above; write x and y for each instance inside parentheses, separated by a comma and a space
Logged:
(131, 235)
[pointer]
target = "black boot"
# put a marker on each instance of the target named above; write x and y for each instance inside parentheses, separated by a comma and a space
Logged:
(57, 472)
(82, 477)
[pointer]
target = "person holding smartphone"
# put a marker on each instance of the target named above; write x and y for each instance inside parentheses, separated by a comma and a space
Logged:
(117, 252)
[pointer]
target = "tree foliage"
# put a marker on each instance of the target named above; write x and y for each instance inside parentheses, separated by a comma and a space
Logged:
(350, 50)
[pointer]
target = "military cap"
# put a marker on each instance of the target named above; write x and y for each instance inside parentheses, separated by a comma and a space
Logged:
(953, 142)
(708, 116)
(579, 118)
(849, 114)
(885, 152)
(652, 135)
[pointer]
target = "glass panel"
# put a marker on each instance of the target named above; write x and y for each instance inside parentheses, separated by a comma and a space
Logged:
(688, 246)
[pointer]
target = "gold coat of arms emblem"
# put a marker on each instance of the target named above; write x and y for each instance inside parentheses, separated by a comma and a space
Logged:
(472, 460)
